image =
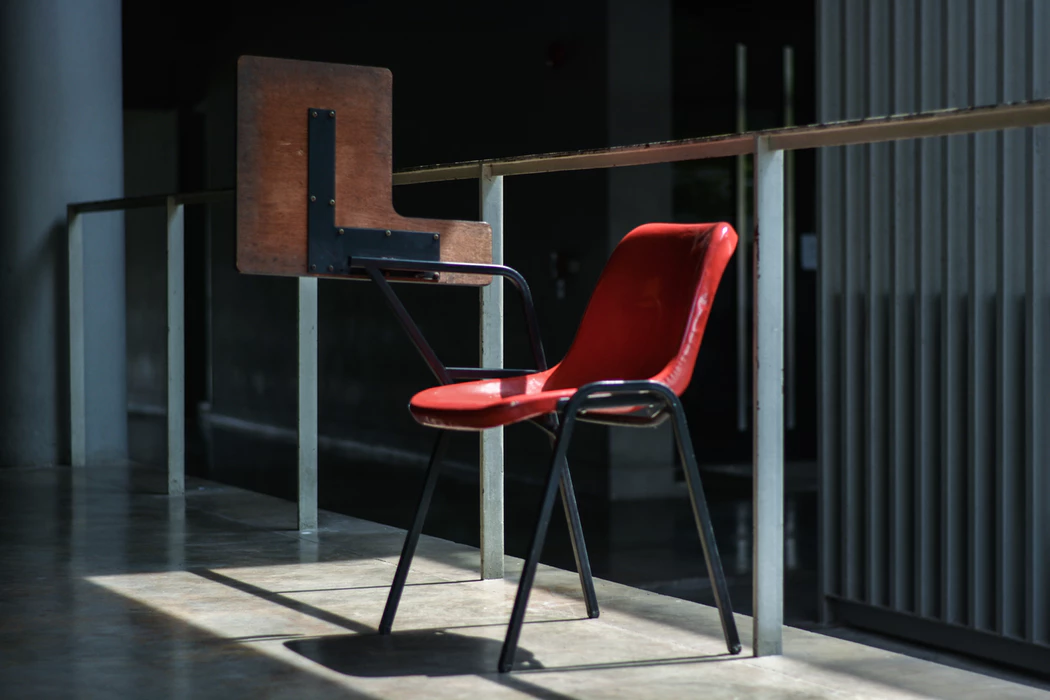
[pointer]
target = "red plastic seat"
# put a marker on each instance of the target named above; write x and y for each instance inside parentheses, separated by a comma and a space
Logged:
(645, 320)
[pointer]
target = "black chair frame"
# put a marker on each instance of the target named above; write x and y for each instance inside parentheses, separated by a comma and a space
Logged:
(652, 403)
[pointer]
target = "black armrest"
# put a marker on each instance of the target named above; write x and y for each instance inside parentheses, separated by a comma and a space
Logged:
(509, 273)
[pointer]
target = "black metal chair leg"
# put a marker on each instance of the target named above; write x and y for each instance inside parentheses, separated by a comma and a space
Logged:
(532, 560)
(579, 545)
(572, 518)
(703, 524)
(412, 539)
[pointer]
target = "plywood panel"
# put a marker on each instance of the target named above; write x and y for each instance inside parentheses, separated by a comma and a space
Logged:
(273, 99)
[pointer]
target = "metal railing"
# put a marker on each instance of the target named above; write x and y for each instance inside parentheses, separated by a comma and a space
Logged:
(767, 147)
(176, 346)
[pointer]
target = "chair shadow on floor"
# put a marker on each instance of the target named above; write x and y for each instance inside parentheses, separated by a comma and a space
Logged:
(431, 652)
(438, 652)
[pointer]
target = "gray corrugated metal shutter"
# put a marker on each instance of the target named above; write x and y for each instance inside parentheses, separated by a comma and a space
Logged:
(934, 294)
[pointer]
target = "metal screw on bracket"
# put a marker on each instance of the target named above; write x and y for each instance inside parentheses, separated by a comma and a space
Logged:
(331, 202)
(331, 268)
(313, 267)
(388, 233)
(332, 114)
(437, 237)
(313, 114)
(340, 232)
(313, 198)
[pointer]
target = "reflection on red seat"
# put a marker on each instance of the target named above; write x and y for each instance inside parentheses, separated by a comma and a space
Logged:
(645, 320)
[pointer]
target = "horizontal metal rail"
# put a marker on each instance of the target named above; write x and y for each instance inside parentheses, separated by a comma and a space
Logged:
(157, 200)
(846, 133)
(944, 122)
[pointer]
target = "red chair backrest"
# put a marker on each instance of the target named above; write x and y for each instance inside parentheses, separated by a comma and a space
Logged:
(647, 315)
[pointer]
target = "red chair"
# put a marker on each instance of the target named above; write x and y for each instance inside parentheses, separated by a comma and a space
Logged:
(632, 357)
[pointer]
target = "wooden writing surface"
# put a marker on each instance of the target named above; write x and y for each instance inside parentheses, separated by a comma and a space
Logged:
(273, 99)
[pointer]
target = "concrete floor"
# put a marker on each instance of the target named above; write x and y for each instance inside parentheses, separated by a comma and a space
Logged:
(111, 589)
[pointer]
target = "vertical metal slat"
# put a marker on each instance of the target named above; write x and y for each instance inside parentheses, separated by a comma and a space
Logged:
(853, 199)
(948, 356)
(926, 223)
(829, 294)
(877, 208)
(978, 558)
(1037, 268)
(953, 269)
(900, 371)
(1012, 220)
(983, 56)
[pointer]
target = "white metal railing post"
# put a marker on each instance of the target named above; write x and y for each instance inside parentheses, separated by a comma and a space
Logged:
(768, 400)
(307, 427)
(176, 349)
(77, 387)
(491, 355)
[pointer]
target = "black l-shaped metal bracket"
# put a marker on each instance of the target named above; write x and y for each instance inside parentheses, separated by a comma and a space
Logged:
(332, 249)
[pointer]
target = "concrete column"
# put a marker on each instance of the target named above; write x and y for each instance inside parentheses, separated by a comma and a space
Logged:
(60, 142)
(639, 110)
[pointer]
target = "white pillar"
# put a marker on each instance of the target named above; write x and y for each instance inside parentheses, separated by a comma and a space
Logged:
(61, 140)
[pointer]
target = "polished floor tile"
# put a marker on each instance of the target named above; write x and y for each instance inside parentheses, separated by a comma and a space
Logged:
(110, 589)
